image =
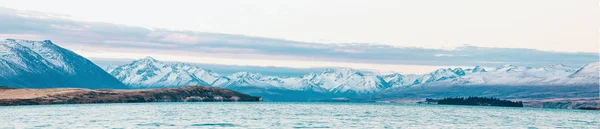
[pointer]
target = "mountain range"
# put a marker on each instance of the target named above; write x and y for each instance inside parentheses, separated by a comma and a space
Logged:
(151, 73)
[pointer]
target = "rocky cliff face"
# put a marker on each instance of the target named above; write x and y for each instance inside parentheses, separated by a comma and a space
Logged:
(81, 96)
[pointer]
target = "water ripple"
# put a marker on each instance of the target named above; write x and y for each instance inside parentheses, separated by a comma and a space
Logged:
(289, 115)
(216, 124)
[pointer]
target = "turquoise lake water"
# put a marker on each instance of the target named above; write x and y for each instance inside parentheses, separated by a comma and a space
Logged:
(290, 115)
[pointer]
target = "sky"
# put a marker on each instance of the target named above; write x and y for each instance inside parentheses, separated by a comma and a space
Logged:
(395, 35)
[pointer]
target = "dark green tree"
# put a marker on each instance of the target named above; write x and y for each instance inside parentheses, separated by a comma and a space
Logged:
(480, 101)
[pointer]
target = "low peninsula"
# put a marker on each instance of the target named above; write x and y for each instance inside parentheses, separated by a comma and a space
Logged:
(26, 96)
(475, 101)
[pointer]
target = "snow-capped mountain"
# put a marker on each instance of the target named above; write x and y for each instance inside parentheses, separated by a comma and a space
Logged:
(591, 70)
(477, 69)
(518, 76)
(442, 74)
(150, 73)
(398, 80)
(42, 64)
(345, 80)
(247, 79)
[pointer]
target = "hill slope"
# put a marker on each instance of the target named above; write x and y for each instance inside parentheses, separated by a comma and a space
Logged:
(42, 64)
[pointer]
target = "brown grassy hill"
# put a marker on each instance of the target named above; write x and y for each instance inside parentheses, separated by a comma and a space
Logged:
(79, 96)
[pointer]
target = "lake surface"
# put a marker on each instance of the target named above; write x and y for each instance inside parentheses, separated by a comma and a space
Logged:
(290, 115)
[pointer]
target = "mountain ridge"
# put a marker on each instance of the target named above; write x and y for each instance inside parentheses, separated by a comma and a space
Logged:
(42, 64)
(351, 81)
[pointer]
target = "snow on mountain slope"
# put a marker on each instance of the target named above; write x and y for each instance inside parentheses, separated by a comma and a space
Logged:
(546, 71)
(110, 68)
(247, 79)
(590, 70)
(345, 80)
(210, 77)
(397, 80)
(37, 64)
(442, 74)
(148, 72)
(516, 75)
(477, 69)
(152, 73)
(42, 64)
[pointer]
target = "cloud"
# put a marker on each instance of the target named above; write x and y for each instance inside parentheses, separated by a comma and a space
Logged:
(180, 38)
(68, 33)
(68, 27)
(137, 43)
(443, 55)
(347, 50)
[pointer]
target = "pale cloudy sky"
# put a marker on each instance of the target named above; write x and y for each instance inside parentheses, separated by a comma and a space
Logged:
(397, 35)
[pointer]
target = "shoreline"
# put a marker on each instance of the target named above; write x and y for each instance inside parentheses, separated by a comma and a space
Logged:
(24, 96)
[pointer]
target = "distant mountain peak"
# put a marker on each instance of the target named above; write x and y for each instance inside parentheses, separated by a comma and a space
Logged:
(511, 68)
(394, 75)
(559, 65)
(459, 71)
(344, 72)
(478, 69)
(149, 72)
(442, 70)
(506, 66)
(147, 59)
(442, 74)
(245, 75)
(110, 68)
(30, 43)
(589, 70)
(339, 70)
